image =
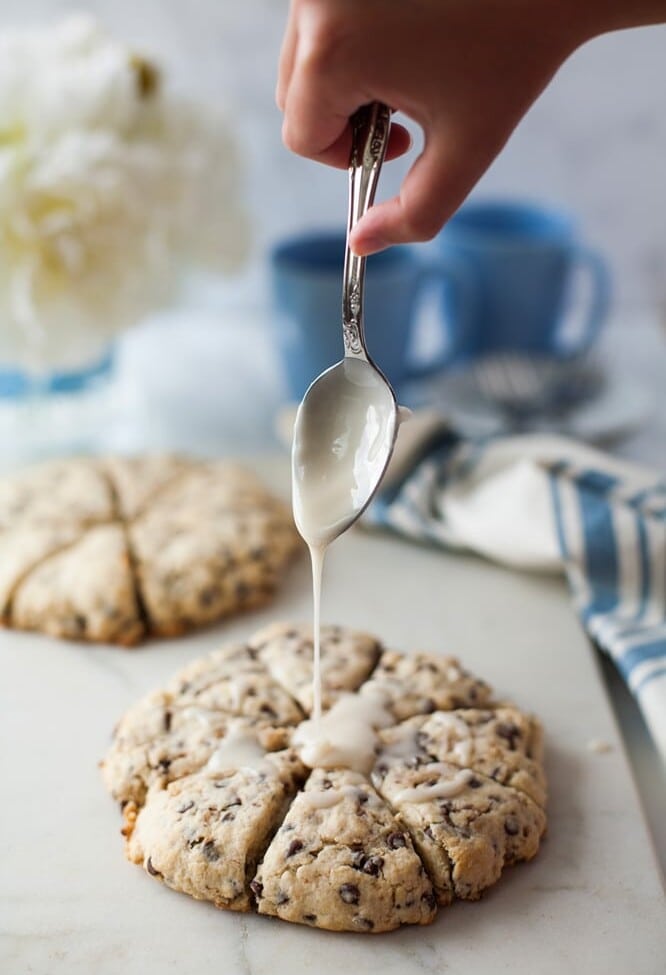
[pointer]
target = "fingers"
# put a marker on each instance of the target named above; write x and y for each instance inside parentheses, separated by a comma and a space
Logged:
(400, 141)
(432, 190)
(338, 154)
(286, 62)
(316, 118)
(316, 93)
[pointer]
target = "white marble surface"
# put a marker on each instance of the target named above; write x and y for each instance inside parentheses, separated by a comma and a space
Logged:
(590, 903)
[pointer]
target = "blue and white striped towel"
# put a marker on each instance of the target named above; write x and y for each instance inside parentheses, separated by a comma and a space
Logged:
(546, 503)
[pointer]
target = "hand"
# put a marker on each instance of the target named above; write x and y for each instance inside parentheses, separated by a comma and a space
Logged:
(465, 70)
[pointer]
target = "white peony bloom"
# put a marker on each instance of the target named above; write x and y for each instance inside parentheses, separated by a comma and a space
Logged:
(108, 188)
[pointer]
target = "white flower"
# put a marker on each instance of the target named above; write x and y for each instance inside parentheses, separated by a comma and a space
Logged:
(108, 187)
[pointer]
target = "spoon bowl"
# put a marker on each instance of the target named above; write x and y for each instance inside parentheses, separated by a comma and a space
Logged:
(344, 435)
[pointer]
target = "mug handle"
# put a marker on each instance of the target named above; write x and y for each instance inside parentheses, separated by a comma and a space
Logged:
(597, 267)
(453, 271)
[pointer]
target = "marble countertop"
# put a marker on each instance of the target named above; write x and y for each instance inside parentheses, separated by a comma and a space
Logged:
(590, 903)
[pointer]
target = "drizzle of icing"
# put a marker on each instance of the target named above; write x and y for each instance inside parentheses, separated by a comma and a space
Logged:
(346, 735)
(326, 798)
(239, 749)
(402, 748)
(459, 741)
(445, 789)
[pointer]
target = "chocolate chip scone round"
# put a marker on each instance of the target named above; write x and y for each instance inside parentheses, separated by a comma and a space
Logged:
(116, 549)
(438, 789)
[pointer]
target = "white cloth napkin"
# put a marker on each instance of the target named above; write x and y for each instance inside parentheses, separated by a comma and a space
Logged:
(546, 503)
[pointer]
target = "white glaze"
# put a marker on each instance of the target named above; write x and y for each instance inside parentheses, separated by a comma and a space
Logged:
(346, 735)
(238, 687)
(400, 750)
(326, 798)
(459, 739)
(239, 749)
(343, 436)
(203, 716)
(317, 559)
(440, 790)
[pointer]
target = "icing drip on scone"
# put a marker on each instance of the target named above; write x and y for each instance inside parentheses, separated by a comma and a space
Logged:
(403, 749)
(325, 798)
(345, 737)
(435, 790)
(239, 749)
(458, 736)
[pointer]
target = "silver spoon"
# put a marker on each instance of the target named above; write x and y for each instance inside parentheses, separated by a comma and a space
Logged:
(347, 424)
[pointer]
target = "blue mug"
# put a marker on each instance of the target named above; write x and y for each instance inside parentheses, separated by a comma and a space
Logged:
(306, 279)
(523, 257)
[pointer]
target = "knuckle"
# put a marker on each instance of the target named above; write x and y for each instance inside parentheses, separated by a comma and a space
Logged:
(422, 222)
(322, 47)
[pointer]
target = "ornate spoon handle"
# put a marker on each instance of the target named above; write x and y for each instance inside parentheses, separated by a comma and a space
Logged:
(370, 131)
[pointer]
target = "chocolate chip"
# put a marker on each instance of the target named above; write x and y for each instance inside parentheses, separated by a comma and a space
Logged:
(510, 732)
(281, 897)
(209, 596)
(396, 841)
(151, 869)
(310, 917)
(429, 899)
(373, 866)
(164, 764)
(188, 805)
(167, 720)
(294, 847)
(210, 852)
(511, 826)
(349, 893)
(474, 783)
(257, 888)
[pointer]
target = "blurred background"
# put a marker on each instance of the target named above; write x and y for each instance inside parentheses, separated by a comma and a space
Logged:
(594, 144)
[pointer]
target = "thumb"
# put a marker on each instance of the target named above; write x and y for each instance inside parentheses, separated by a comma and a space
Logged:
(432, 190)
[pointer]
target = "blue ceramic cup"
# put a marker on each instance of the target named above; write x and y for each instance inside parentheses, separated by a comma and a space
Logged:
(523, 257)
(306, 279)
